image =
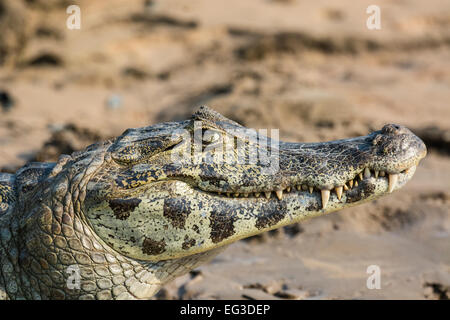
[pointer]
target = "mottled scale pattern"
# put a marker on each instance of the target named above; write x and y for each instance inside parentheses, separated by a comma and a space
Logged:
(121, 218)
(36, 259)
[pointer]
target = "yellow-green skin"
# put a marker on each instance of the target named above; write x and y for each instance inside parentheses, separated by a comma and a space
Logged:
(136, 212)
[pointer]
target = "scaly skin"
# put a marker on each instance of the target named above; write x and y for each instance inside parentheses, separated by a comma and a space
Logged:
(133, 213)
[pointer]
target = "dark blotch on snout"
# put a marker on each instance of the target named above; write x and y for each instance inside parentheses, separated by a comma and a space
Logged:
(271, 215)
(222, 224)
(187, 243)
(177, 211)
(122, 208)
(153, 247)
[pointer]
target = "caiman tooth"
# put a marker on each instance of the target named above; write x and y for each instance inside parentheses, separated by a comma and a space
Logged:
(245, 195)
(356, 183)
(279, 194)
(366, 173)
(288, 189)
(325, 197)
(267, 194)
(376, 173)
(236, 194)
(345, 187)
(228, 194)
(311, 189)
(304, 187)
(299, 187)
(393, 178)
(382, 173)
(257, 194)
(407, 170)
(219, 193)
(361, 176)
(338, 192)
(350, 183)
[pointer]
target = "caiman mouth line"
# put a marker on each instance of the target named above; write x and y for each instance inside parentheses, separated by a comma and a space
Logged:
(325, 194)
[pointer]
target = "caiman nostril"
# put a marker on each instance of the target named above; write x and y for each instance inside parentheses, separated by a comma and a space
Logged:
(395, 129)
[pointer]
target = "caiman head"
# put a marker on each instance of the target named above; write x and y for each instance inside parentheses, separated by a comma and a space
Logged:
(180, 188)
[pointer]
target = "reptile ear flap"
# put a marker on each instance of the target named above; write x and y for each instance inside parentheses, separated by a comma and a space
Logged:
(137, 151)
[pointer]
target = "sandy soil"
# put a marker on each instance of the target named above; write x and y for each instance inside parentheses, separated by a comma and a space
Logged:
(310, 68)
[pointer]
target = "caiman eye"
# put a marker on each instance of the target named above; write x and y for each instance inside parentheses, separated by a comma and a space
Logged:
(210, 136)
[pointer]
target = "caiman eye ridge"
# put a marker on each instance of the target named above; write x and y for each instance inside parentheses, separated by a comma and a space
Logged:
(325, 193)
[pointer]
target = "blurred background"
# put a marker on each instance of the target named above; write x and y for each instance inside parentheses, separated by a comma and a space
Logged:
(309, 68)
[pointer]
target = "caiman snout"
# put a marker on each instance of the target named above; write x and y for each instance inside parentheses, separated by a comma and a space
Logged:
(399, 147)
(409, 141)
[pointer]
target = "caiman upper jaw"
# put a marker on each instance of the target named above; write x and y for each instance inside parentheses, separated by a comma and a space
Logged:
(390, 178)
(386, 154)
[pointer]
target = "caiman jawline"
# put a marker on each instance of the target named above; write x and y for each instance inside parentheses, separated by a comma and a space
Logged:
(325, 194)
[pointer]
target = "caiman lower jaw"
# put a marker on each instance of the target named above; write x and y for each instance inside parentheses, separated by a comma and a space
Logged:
(391, 181)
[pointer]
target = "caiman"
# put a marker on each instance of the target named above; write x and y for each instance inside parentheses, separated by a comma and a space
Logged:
(122, 218)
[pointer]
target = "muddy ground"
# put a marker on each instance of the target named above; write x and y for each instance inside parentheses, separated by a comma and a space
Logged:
(310, 68)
